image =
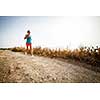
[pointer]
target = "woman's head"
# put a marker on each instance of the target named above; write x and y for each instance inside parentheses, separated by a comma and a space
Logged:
(28, 32)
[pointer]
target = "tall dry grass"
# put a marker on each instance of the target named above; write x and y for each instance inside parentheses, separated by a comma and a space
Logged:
(82, 54)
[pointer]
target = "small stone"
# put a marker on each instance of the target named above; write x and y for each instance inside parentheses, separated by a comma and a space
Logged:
(17, 68)
(48, 76)
(54, 78)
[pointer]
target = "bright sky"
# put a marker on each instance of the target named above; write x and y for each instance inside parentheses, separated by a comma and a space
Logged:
(50, 32)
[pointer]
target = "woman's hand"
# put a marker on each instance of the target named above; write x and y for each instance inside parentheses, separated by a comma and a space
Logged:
(26, 37)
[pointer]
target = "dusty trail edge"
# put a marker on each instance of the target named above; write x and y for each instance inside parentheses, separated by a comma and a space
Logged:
(19, 68)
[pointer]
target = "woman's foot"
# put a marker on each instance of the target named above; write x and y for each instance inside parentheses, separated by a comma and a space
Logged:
(32, 55)
(25, 53)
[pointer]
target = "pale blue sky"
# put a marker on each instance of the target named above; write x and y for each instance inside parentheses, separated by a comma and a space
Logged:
(50, 31)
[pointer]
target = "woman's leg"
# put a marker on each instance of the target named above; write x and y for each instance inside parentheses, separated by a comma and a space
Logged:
(31, 51)
(26, 51)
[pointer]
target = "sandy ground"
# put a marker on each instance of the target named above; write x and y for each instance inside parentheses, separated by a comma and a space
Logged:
(20, 68)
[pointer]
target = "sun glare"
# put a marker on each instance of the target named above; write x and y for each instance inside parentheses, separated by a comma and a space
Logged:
(70, 31)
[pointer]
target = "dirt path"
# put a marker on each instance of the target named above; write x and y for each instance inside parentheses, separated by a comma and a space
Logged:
(17, 67)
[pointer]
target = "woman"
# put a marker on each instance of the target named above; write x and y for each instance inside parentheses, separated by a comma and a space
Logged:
(28, 42)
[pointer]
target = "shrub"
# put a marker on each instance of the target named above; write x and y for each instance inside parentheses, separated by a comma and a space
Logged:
(82, 54)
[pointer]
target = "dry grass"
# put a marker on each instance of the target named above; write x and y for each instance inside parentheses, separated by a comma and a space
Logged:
(83, 54)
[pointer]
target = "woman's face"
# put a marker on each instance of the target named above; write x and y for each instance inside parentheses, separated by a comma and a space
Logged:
(28, 33)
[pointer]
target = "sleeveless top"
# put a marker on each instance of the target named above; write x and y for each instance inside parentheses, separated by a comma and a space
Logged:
(29, 39)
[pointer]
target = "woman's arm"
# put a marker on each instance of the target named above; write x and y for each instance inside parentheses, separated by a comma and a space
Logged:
(26, 36)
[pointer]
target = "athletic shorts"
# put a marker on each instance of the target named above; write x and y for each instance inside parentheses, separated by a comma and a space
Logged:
(28, 44)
